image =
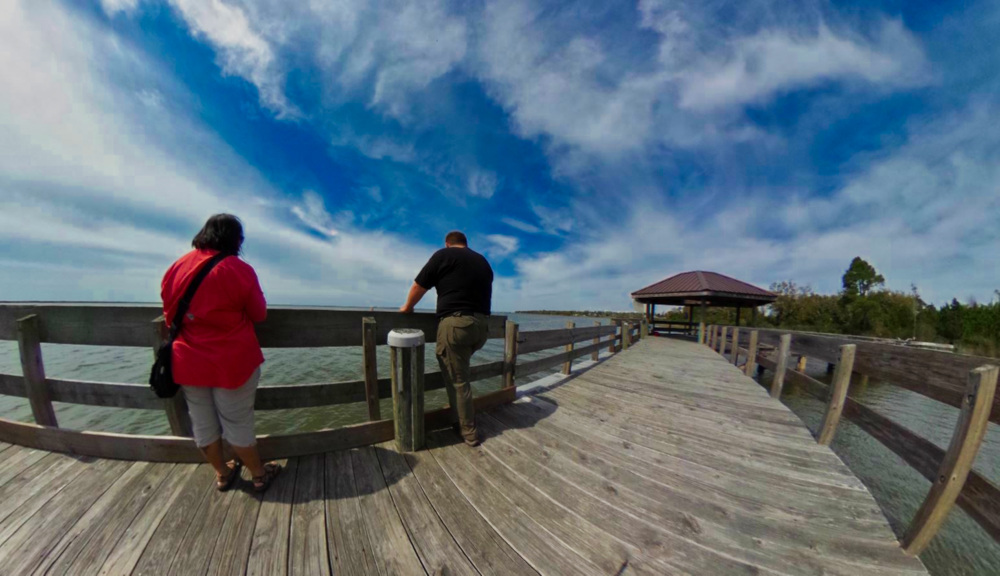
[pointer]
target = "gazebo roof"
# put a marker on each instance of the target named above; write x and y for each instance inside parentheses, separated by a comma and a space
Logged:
(690, 288)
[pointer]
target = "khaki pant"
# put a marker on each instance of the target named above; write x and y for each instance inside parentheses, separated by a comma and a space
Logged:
(458, 338)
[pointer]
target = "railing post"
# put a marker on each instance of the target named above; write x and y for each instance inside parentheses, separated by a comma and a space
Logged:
(568, 364)
(701, 333)
(369, 357)
(596, 354)
(29, 342)
(969, 431)
(643, 329)
(722, 341)
(626, 334)
(612, 347)
(838, 394)
(176, 407)
(736, 346)
(509, 353)
(751, 354)
(711, 332)
(406, 347)
(781, 365)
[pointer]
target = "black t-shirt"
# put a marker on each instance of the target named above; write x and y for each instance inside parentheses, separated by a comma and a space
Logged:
(463, 278)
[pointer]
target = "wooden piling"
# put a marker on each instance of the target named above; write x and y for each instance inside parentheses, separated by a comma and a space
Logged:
(781, 365)
(407, 362)
(711, 332)
(838, 394)
(954, 470)
(722, 341)
(736, 346)
(612, 346)
(626, 334)
(596, 354)
(643, 329)
(509, 353)
(29, 343)
(752, 354)
(568, 364)
(369, 356)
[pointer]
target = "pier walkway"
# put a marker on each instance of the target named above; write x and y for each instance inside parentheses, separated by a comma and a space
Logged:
(664, 459)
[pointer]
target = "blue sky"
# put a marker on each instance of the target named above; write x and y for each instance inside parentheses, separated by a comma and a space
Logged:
(587, 149)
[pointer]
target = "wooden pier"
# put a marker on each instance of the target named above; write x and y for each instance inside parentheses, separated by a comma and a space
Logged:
(664, 459)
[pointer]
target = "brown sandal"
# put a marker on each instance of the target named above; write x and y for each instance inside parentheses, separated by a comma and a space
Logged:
(263, 482)
(223, 484)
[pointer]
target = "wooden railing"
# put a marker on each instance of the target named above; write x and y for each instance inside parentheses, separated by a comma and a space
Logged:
(139, 326)
(965, 382)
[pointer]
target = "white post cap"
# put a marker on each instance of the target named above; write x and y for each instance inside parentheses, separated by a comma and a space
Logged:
(406, 338)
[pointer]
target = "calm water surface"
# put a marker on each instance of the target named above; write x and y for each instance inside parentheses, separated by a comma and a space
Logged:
(962, 548)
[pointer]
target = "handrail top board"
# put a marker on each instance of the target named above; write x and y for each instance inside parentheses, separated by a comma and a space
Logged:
(285, 326)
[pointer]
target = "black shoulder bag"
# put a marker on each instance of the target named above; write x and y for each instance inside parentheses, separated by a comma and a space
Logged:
(161, 379)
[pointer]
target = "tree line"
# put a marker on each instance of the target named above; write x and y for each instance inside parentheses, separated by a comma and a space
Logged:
(866, 307)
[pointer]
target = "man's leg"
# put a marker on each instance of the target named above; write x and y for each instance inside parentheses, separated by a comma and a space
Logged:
(456, 341)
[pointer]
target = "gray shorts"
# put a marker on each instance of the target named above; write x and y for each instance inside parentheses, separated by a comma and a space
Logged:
(218, 412)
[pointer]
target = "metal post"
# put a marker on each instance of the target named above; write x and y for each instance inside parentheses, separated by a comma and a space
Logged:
(407, 354)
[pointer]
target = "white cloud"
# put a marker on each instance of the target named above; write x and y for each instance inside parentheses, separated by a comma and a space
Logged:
(522, 226)
(776, 61)
(482, 183)
(501, 246)
(112, 7)
(374, 192)
(242, 50)
(312, 212)
(83, 175)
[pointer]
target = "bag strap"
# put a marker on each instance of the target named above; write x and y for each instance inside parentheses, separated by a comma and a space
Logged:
(185, 303)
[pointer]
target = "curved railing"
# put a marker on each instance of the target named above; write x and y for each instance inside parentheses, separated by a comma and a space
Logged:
(965, 382)
(32, 324)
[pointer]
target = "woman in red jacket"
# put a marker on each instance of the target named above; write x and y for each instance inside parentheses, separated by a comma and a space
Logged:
(216, 357)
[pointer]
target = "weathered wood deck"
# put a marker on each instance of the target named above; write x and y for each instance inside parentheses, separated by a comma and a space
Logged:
(662, 460)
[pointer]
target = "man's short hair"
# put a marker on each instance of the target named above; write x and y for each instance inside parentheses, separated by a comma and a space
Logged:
(456, 238)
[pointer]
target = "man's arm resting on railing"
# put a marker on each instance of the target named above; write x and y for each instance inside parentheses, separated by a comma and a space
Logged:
(413, 298)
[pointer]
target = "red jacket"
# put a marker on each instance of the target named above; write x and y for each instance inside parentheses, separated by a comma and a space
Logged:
(217, 346)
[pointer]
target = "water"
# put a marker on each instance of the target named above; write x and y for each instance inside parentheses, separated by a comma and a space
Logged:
(961, 547)
(282, 366)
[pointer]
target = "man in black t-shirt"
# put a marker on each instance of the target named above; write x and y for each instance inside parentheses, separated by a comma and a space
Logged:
(464, 282)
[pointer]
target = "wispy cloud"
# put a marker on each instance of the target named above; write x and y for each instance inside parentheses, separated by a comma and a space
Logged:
(522, 226)
(501, 246)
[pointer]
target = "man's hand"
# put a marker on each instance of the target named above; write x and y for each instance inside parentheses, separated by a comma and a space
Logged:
(416, 293)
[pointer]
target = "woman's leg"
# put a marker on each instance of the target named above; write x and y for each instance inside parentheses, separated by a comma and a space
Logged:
(235, 410)
(206, 426)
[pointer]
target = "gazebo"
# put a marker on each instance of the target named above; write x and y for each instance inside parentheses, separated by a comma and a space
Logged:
(702, 289)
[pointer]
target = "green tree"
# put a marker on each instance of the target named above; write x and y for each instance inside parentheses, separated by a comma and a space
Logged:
(861, 278)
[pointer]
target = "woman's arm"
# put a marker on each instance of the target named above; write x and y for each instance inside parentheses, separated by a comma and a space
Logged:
(256, 307)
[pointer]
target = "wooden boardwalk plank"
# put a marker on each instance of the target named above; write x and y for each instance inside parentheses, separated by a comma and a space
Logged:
(85, 547)
(232, 549)
(269, 549)
(197, 544)
(163, 546)
(487, 550)
(17, 460)
(307, 551)
(347, 536)
(433, 543)
(27, 491)
(27, 548)
(534, 543)
(681, 518)
(391, 546)
(125, 554)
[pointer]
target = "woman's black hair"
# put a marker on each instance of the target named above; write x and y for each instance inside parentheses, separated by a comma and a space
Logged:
(222, 232)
